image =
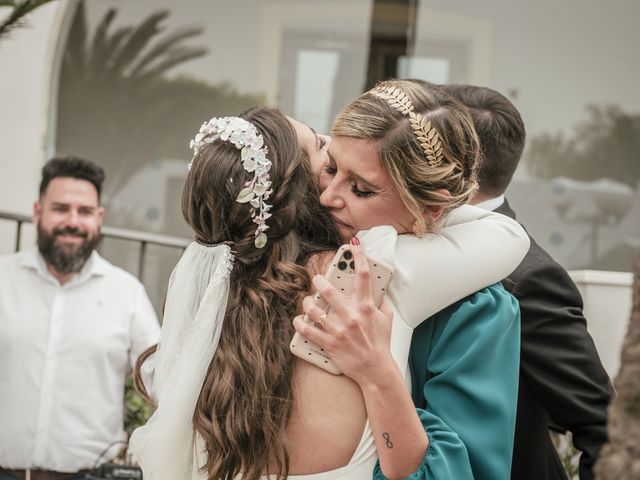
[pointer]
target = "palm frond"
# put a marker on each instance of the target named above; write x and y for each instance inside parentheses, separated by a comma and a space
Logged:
(75, 57)
(99, 50)
(15, 18)
(138, 40)
(173, 58)
(116, 42)
(162, 46)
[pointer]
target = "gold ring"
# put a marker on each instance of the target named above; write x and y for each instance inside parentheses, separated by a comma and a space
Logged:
(319, 322)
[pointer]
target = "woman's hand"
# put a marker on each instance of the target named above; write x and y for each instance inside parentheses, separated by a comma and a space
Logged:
(355, 333)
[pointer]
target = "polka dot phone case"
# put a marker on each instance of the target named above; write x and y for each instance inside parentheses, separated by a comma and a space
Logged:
(341, 274)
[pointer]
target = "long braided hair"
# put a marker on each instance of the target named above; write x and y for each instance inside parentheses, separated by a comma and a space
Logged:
(246, 399)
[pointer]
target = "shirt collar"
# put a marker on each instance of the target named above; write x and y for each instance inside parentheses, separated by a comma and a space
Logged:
(94, 266)
(491, 204)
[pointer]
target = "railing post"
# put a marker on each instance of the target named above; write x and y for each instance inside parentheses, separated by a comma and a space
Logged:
(141, 258)
(18, 235)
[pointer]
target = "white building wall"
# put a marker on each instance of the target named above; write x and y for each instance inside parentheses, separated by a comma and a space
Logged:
(26, 60)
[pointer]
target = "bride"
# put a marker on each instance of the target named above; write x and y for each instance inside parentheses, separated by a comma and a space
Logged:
(232, 401)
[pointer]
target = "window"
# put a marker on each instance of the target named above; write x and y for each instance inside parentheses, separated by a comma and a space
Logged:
(132, 101)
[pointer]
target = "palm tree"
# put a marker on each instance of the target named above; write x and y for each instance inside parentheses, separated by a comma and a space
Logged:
(127, 54)
(116, 104)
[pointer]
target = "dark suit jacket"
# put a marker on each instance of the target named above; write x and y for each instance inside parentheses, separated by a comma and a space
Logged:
(562, 381)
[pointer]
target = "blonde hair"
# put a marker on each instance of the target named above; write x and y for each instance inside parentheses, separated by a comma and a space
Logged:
(413, 171)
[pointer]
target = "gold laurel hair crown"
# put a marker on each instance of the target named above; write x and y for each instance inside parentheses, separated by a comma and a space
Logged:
(426, 134)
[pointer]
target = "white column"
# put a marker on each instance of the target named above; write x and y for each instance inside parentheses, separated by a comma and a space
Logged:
(27, 58)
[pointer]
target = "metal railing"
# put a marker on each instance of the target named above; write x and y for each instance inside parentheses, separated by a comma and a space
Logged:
(142, 238)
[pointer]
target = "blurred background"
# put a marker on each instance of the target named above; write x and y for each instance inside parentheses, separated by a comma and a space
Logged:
(127, 84)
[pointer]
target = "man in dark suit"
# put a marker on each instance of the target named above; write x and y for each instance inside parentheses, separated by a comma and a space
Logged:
(562, 382)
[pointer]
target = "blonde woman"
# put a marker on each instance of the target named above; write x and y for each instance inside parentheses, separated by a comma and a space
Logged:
(406, 156)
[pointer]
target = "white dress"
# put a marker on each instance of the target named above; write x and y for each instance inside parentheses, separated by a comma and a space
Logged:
(472, 249)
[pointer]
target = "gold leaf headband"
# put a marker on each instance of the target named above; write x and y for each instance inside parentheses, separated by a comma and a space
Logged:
(426, 134)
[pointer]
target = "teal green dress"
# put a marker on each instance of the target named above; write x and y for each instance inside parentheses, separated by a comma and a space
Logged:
(464, 369)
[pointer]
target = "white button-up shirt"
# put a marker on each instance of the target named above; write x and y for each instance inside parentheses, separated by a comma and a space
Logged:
(65, 352)
(491, 204)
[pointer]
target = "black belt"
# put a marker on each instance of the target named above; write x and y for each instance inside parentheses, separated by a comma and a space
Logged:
(43, 474)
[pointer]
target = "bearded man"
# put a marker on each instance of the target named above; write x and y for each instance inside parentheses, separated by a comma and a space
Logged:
(71, 327)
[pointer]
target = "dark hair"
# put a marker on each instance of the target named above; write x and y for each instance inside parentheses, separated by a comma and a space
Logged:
(247, 395)
(73, 167)
(501, 132)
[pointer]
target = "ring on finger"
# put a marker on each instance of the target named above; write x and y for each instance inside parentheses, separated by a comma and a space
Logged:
(319, 322)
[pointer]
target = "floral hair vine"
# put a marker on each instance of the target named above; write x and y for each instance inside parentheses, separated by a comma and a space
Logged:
(245, 137)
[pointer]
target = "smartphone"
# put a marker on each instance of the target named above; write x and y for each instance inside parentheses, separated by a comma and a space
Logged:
(341, 274)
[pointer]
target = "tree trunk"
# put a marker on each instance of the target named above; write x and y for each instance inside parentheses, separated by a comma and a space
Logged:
(620, 458)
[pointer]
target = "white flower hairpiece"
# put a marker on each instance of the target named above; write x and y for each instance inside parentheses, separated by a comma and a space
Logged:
(245, 137)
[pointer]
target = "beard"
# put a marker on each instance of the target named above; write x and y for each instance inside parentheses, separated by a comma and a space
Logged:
(70, 259)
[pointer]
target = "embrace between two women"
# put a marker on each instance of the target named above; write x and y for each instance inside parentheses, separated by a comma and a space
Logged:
(270, 201)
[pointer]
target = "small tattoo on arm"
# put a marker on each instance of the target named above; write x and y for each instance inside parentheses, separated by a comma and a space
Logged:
(387, 438)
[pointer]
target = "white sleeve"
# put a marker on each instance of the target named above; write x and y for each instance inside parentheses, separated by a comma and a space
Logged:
(473, 249)
(145, 328)
(147, 374)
